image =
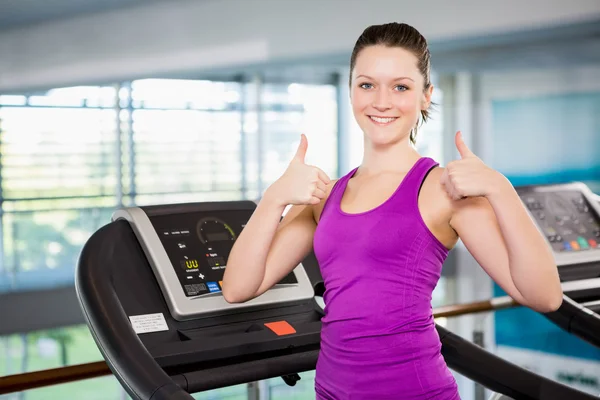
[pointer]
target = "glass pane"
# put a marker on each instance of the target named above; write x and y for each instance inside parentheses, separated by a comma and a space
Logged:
(289, 110)
(101, 388)
(46, 349)
(71, 346)
(238, 392)
(440, 296)
(184, 94)
(59, 182)
(303, 390)
(430, 135)
(175, 198)
(192, 148)
(53, 349)
(13, 100)
(41, 247)
(78, 96)
(52, 152)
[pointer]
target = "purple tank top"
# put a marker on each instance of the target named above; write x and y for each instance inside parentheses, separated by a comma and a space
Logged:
(378, 338)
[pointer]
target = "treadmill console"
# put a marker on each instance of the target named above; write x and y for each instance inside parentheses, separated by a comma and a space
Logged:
(188, 247)
(569, 217)
(198, 246)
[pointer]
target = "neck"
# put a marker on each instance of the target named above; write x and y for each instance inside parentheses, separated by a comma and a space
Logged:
(396, 157)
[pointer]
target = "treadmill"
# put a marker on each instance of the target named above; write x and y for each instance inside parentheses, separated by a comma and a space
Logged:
(149, 285)
(568, 215)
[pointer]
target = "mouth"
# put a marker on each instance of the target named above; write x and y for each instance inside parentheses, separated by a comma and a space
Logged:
(382, 121)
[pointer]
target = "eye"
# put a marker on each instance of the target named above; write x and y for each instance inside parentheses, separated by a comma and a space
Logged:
(401, 88)
(365, 86)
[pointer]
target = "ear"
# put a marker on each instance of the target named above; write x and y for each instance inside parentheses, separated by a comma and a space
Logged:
(427, 97)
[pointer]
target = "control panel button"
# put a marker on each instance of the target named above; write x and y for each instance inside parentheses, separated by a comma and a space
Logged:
(195, 289)
(582, 242)
(213, 287)
(593, 243)
(281, 328)
(574, 245)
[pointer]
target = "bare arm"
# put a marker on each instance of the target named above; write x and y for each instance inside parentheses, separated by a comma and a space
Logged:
(267, 250)
(504, 240)
(494, 225)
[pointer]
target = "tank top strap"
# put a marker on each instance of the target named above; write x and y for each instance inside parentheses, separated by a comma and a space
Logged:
(337, 191)
(414, 180)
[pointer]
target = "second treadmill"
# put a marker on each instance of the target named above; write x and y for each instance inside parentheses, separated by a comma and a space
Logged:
(568, 215)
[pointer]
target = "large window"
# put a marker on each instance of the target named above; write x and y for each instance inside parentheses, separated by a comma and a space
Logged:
(186, 140)
(58, 176)
(71, 156)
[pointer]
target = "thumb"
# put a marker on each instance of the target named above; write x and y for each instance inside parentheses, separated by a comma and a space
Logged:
(301, 152)
(464, 151)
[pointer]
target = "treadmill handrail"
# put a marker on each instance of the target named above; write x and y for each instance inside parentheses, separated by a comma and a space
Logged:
(578, 320)
(507, 378)
(125, 354)
(580, 284)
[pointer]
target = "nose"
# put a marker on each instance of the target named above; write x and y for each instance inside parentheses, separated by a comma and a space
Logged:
(382, 101)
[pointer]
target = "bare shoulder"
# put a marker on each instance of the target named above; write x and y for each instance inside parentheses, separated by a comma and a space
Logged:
(318, 208)
(437, 208)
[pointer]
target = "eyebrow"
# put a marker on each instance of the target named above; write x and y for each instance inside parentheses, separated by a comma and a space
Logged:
(397, 79)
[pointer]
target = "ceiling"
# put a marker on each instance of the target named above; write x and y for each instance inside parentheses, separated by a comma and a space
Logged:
(17, 13)
(549, 47)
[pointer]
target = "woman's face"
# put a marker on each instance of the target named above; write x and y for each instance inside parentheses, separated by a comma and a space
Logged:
(387, 94)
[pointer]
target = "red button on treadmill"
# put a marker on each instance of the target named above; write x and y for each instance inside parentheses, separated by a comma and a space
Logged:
(281, 328)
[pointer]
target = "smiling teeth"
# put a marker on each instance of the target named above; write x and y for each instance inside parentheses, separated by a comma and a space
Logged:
(382, 120)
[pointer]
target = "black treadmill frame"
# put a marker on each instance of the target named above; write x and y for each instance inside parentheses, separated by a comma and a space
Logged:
(143, 378)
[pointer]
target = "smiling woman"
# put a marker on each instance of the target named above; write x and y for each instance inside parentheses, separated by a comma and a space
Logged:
(382, 232)
(391, 64)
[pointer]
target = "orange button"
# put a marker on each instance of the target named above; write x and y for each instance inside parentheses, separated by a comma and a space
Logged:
(575, 245)
(281, 328)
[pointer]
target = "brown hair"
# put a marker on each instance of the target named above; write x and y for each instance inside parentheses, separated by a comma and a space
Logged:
(398, 35)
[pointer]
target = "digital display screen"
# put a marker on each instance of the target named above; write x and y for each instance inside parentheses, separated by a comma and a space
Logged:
(566, 218)
(213, 237)
(198, 245)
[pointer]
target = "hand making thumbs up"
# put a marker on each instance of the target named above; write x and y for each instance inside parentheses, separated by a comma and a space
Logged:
(468, 176)
(300, 183)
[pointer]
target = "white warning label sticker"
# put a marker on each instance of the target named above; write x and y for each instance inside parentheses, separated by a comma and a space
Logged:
(149, 323)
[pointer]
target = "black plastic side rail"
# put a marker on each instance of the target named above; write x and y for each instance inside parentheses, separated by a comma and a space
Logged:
(577, 320)
(499, 375)
(143, 378)
(125, 355)
(251, 371)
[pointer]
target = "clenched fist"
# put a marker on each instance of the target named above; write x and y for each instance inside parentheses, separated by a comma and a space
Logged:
(469, 176)
(300, 183)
